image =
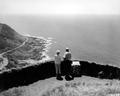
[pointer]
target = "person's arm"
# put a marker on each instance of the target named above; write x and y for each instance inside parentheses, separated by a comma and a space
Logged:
(64, 56)
(61, 58)
(70, 56)
(55, 59)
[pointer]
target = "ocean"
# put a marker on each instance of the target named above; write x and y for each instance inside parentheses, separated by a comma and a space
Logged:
(90, 37)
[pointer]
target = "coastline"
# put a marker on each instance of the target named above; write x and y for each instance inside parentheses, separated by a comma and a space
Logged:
(42, 43)
(47, 44)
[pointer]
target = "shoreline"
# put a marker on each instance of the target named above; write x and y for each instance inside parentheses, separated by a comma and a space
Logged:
(44, 57)
(46, 49)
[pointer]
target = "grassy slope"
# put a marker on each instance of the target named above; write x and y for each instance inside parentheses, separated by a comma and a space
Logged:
(84, 86)
(9, 38)
(32, 49)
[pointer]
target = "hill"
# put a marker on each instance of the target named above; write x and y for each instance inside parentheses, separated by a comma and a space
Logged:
(18, 50)
(84, 86)
(9, 38)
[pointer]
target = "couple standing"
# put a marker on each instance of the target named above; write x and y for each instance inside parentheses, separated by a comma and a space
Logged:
(67, 64)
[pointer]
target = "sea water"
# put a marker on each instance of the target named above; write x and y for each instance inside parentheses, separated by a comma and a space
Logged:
(93, 38)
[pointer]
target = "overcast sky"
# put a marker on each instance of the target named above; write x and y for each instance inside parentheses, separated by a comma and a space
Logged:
(65, 7)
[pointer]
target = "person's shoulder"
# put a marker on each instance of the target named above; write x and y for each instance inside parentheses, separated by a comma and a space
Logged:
(69, 53)
(55, 56)
(66, 52)
(59, 56)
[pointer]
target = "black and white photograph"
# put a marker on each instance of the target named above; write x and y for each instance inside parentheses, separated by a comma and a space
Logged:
(59, 47)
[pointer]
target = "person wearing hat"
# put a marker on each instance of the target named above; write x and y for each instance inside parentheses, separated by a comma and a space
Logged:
(67, 54)
(67, 61)
(58, 65)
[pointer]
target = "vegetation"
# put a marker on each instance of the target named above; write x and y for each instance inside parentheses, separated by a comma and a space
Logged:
(84, 86)
(32, 49)
(78, 89)
(13, 92)
(9, 38)
(26, 47)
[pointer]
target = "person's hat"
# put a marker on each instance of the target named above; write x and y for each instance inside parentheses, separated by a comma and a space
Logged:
(58, 51)
(67, 48)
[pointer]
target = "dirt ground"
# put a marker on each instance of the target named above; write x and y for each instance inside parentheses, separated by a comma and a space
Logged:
(82, 86)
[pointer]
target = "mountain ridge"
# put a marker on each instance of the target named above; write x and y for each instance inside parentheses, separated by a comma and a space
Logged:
(9, 38)
(19, 49)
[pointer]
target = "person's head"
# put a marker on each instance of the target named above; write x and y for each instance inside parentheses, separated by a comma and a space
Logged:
(58, 52)
(67, 49)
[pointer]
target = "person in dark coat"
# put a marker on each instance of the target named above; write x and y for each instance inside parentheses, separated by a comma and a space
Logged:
(67, 61)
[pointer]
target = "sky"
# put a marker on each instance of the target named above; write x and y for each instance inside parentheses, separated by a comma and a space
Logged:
(59, 7)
